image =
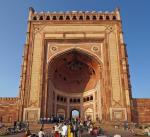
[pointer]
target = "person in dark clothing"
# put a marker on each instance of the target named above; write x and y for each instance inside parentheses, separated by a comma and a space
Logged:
(75, 130)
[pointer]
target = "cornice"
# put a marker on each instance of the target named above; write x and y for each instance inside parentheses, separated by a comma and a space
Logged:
(73, 16)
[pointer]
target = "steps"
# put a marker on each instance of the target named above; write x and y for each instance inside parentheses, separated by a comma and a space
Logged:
(36, 127)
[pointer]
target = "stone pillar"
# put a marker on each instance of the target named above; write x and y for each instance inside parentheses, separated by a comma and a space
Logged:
(99, 95)
(51, 98)
(55, 105)
(68, 110)
(81, 107)
(99, 106)
(94, 107)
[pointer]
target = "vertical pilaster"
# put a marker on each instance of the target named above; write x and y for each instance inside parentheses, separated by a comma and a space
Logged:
(55, 105)
(81, 107)
(68, 109)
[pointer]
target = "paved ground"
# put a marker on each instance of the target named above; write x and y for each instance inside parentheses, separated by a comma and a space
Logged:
(109, 132)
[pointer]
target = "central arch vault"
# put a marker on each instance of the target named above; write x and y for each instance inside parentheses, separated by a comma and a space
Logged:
(73, 81)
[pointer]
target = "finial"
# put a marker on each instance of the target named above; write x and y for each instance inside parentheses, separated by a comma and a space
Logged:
(117, 12)
(31, 9)
(117, 9)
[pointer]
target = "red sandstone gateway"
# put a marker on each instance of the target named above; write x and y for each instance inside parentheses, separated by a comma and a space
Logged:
(75, 61)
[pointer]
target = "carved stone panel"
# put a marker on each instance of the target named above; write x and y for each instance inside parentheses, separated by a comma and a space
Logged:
(114, 67)
(118, 114)
(31, 114)
(36, 72)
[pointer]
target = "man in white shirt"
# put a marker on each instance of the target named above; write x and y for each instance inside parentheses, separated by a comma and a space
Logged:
(41, 133)
(64, 130)
(117, 135)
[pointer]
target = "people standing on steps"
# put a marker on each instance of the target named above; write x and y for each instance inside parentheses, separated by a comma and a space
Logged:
(41, 133)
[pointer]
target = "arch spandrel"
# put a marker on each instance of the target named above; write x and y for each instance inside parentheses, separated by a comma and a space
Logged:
(80, 50)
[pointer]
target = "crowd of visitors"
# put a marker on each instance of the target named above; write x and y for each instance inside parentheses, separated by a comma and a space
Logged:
(73, 128)
(52, 119)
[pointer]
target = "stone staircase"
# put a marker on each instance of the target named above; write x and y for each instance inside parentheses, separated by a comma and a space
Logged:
(34, 128)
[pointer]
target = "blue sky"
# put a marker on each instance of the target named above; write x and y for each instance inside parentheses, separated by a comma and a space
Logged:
(136, 28)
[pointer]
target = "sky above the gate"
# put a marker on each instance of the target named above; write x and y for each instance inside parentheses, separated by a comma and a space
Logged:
(136, 28)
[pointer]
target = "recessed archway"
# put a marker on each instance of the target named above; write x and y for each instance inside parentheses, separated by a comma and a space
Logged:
(71, 74)
(74, 72)
(89, 114)
(61, 113)
(75, 114)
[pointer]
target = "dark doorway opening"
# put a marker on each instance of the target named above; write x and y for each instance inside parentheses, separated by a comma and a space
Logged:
(75, 114)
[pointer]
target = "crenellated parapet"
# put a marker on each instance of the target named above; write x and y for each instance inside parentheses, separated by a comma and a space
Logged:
(9, 109)
(141, 110)
(74, 16)
(8, 100)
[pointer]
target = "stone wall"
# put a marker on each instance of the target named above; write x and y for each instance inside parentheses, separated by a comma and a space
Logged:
(141, 110)
(8, 110)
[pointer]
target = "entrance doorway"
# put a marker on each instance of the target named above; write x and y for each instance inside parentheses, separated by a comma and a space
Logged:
(61, 113)
(75, 114)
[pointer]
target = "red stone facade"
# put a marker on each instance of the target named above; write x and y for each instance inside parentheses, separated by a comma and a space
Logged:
(75, 61)
(9, 110)
(141, 110)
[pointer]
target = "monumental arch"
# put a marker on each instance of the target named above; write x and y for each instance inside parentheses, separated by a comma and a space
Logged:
(75, 61)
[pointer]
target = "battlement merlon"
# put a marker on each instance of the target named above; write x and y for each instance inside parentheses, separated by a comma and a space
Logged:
(71, 16)
(74, 15)
(9, 98)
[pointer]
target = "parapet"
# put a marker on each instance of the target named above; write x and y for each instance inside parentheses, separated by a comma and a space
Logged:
(74, 16)
(8, 100)
(141, 102)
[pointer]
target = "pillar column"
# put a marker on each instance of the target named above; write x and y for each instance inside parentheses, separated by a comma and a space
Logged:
(68, 111)
(81, 107)
(55, 105)
(99, 94)
(94, 106)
